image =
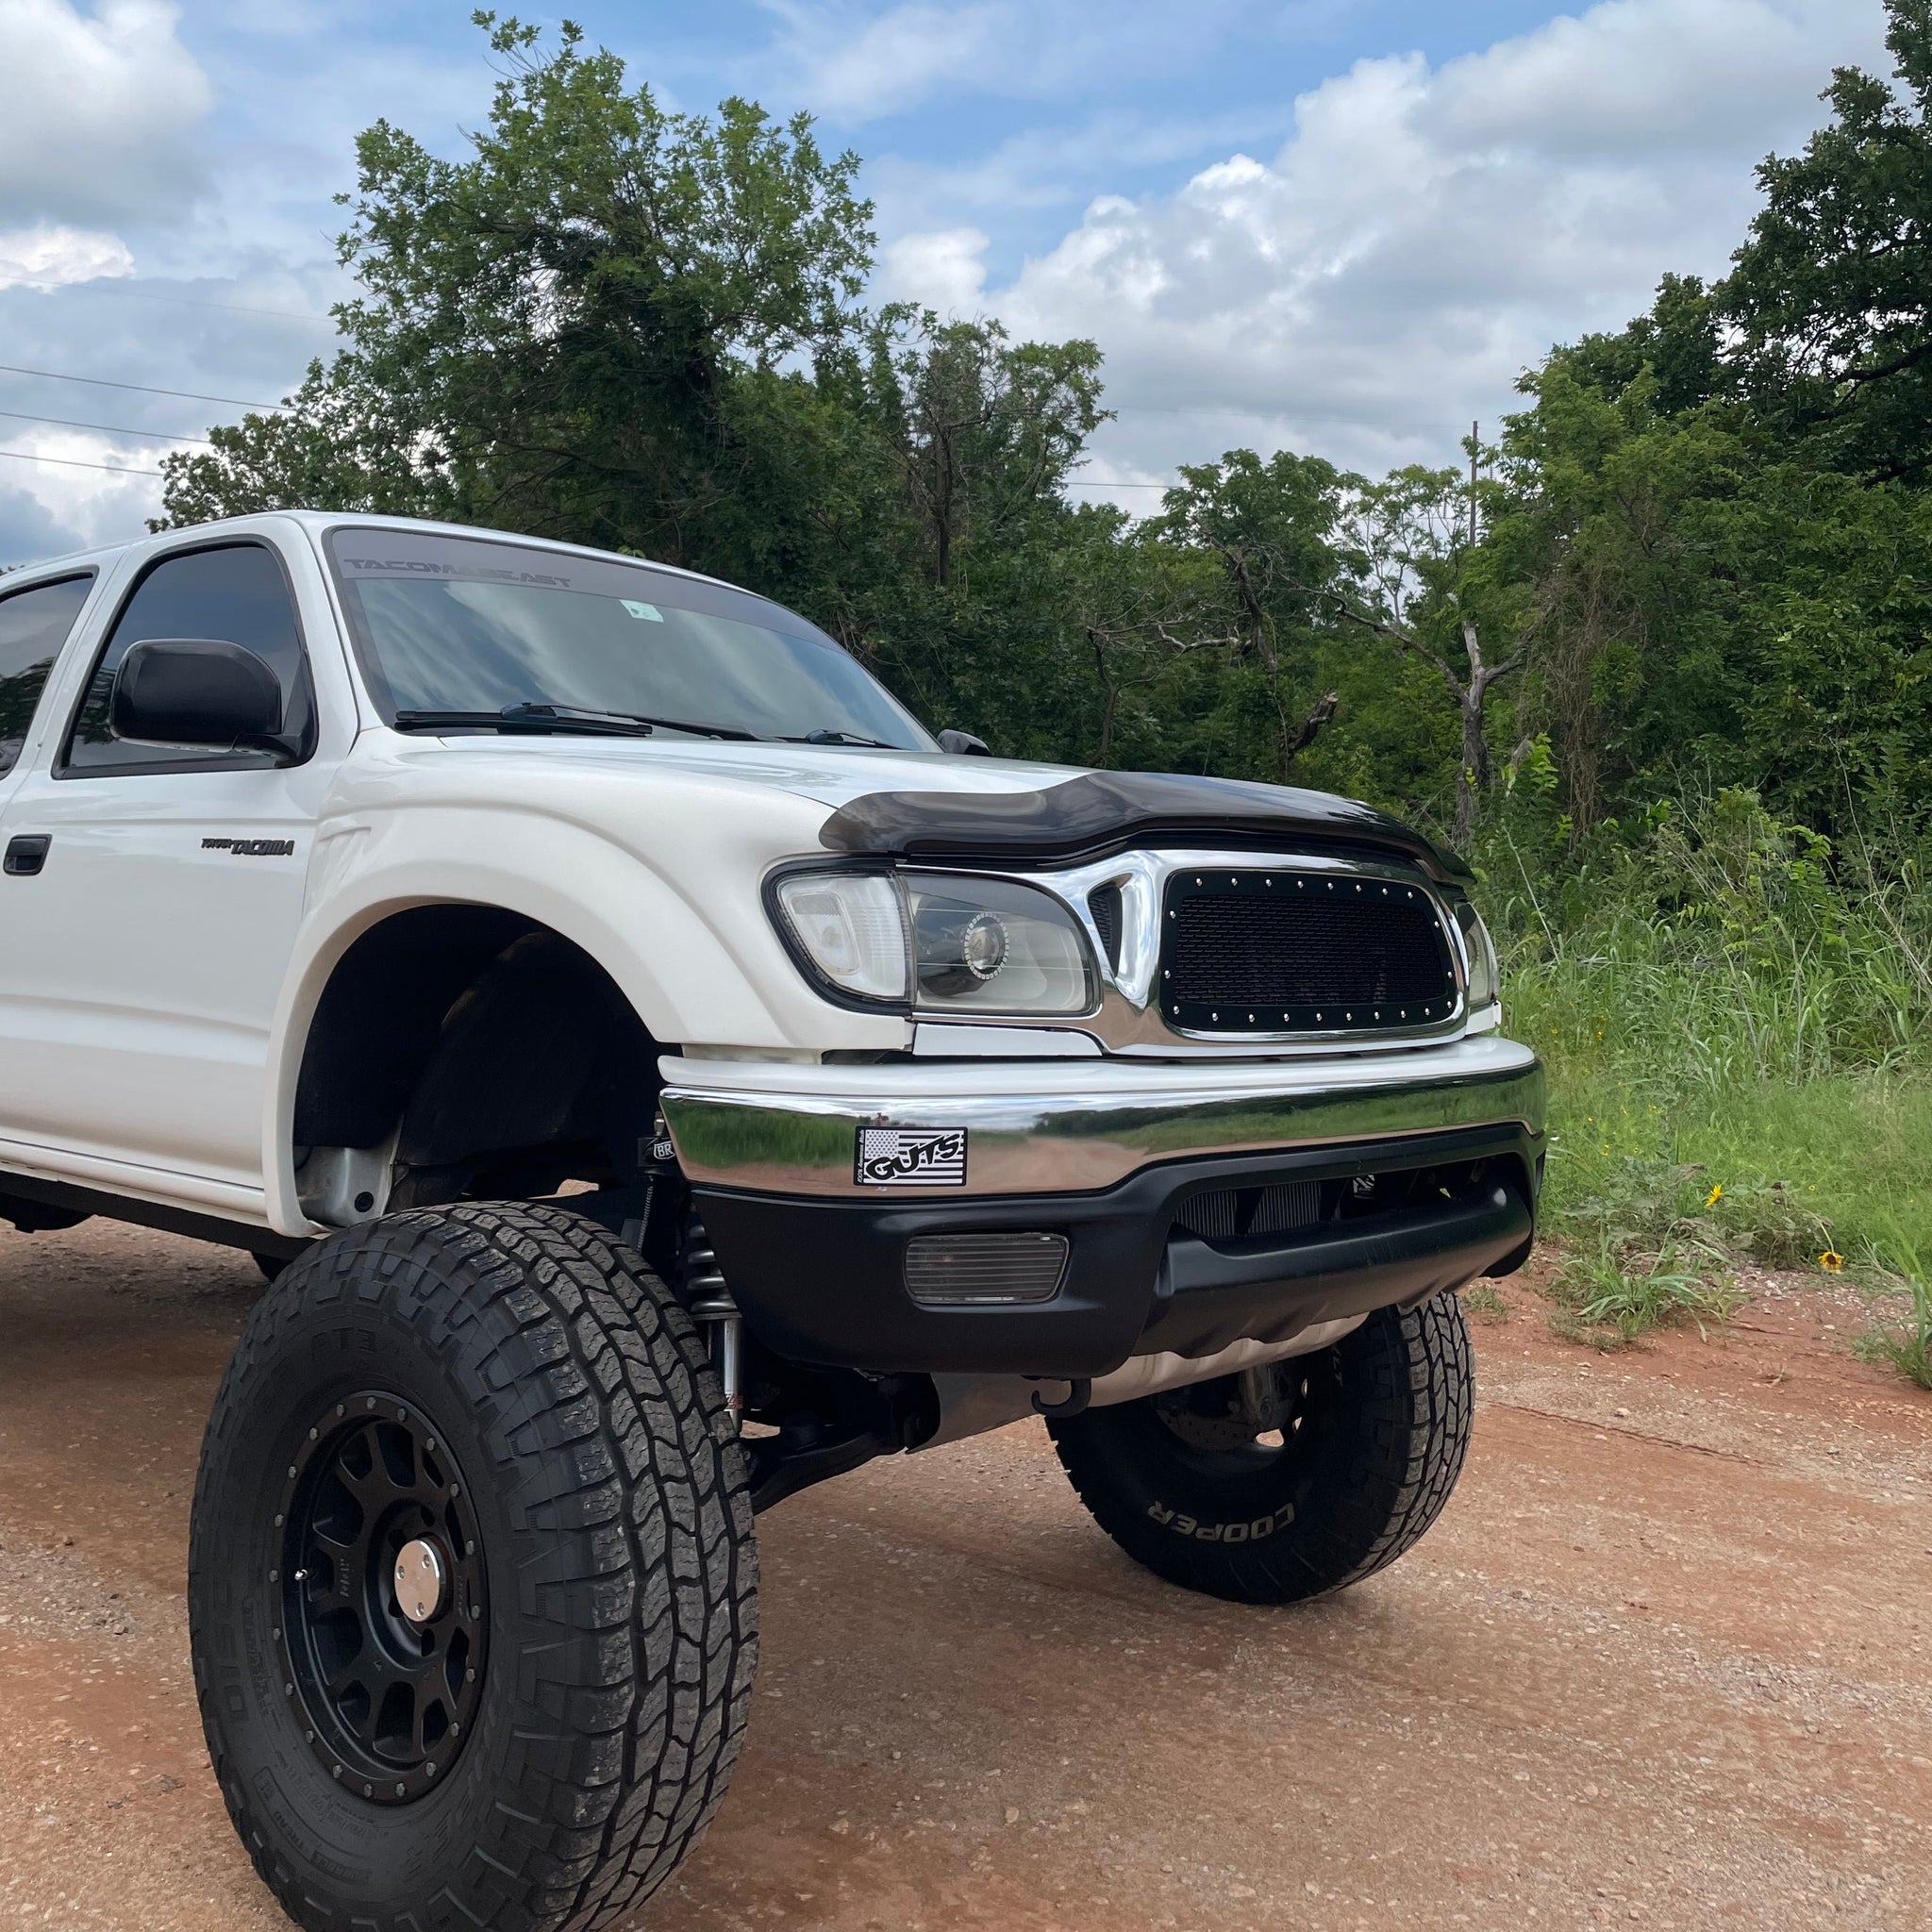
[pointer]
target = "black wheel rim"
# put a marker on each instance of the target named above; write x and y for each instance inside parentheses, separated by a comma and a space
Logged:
(384, 1702)
(1218, 1432)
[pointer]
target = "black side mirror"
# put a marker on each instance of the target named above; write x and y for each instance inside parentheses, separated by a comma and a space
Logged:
(198, 690)
(963, 743)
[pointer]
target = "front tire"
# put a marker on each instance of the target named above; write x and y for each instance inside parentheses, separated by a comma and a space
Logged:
(1295, 1481)
(536, 1726)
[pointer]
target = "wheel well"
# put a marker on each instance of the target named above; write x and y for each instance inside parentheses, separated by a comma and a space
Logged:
(483, 1043)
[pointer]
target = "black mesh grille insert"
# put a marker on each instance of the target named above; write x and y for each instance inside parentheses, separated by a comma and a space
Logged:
(1234, 1213)
(1268, 951)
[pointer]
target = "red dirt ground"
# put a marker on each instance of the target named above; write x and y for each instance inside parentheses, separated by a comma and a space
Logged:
(1666, 1660)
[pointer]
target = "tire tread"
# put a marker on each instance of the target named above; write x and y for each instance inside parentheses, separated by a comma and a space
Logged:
(631, 1708)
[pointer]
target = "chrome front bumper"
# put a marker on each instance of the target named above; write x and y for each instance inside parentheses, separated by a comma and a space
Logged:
(1066, 1126)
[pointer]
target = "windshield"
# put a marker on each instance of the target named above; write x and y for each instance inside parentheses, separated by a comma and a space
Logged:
(468, 625)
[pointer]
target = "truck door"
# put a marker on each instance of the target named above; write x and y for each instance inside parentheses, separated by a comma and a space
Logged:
(150, 900)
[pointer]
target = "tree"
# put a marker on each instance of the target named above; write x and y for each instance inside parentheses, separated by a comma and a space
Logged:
(1414, 579)
(1832, 292)
(1268, 526)
(551, 332)
(992, 428)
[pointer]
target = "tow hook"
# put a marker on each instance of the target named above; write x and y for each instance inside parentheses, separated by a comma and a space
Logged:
(1079, 1392)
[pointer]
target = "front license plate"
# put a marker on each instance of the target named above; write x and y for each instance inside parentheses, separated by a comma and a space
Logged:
(912, 1158)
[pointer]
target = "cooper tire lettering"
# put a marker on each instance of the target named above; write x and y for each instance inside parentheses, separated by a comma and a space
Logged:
(1261, 1527)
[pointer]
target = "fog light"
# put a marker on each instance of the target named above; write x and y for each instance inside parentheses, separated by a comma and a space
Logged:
(984, 1270)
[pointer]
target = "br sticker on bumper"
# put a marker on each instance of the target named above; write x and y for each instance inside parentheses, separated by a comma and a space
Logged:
(912, 1158)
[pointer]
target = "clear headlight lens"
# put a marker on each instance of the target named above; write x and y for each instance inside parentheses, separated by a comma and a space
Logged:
(851, 926)
(1483, 976)
(988, 946)
(946, 944)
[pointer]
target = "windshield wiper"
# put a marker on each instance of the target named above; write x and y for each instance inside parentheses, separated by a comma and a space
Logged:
(825, 736)
(564, 719)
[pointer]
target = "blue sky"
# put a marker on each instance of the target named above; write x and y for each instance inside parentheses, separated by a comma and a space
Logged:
(1334, 224)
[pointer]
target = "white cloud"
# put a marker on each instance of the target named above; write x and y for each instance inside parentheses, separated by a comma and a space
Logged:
(893, 62)
(96, 109)
(945, 269)
(85, 490)
(49, 256)
(853, 65)
(1426, 233)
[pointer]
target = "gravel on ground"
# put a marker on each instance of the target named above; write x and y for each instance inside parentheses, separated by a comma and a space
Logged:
(1666, 1660)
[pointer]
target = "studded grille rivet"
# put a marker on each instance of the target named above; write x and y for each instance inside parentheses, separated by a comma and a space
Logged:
(468, 1676)
(369, 1790)
(456, 1731)
(370, 1404)
(291, 1471)
(278, 1522)
(400, 1789)
(275, 1576)
(312, 1435)
(308, 1737)
(288, 1689)
(337, 1772)
(342, 1408)
(430, 1768)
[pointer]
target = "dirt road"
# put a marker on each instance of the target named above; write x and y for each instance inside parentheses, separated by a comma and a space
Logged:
(1667, 1661)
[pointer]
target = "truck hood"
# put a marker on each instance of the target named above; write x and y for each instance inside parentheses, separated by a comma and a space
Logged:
(945, 809)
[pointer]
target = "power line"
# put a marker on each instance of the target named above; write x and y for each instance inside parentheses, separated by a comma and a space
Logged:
(105, 428)
(100, 286)
(21, 456)
(108, 382)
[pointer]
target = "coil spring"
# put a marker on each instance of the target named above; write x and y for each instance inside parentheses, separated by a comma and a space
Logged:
(705, 1294)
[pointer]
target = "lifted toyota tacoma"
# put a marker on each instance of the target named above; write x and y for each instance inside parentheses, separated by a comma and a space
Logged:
(655, 1075)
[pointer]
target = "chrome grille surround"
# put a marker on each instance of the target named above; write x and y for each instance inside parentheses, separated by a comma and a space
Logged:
(1128, 1019)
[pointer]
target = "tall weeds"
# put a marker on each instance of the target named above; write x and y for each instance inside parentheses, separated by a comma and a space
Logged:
(1738, 1023)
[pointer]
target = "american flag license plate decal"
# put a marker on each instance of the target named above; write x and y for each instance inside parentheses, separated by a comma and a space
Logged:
(912, 1158)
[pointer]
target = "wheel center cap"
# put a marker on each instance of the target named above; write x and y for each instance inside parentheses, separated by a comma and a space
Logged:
(421, 1577)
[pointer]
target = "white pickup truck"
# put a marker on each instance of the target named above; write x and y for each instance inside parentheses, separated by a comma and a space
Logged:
(655, 1075)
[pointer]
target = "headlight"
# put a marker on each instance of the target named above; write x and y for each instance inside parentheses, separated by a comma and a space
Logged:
(850, 926)
(944, 944)
(1483, 988)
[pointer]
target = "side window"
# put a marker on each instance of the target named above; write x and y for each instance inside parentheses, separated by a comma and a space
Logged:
(33, 625)
(236, 592)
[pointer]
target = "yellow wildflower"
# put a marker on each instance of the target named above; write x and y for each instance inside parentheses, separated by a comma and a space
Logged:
(1831, 1262)
(1716, 1194)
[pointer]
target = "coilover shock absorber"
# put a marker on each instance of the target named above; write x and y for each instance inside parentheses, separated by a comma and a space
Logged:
(697, 1277)
(708, 1297)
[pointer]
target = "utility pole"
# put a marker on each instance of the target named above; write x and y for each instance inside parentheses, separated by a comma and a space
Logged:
(1475, 432)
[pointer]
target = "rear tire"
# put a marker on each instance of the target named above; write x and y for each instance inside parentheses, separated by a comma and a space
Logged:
(504, 1388)
(1348, 1462)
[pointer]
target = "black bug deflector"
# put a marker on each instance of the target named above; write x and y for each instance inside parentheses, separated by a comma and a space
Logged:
(1102, 812)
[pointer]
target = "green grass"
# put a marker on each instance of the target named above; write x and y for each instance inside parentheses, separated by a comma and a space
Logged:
(1738, 1028)
(1906, 1348)
(1841, 1164)
(1611, 1296)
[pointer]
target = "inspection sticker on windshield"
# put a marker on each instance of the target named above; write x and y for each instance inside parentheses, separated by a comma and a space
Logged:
(649, 612)
(911, 1157)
